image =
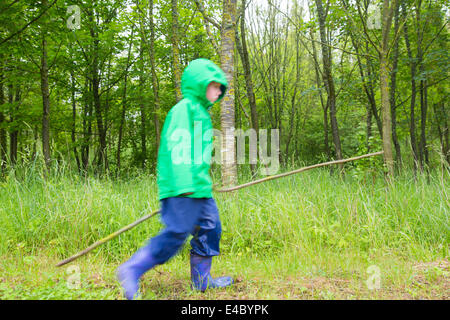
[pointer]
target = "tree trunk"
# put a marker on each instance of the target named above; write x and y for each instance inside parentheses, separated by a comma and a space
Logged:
(95, 76)
(124, 99)
(241, 44)
(87, 126)
(324, 105)
(370, 84)
(423, 154)
(3, 147)
(440, 114)
(122, 122)
(368, 127)
(293, 100)
(248, 72)
(154, 76)
(229, 169)
(328, 80)
(413, 66)
(176, 69)
(398, 157)
(367, 81)
(13, 134)
(142, 107)
(45, 98)
(74, 118)
(384, 86)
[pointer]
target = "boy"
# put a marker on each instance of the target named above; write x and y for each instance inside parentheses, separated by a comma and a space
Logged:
(184, 183)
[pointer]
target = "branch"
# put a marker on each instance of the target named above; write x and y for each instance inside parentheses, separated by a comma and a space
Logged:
(28, 24)
(208, 30)
(298, 171)
(326, 44)
(434, 38)
(10, 5)
(56, 56)
(119, 78)
(201, 8)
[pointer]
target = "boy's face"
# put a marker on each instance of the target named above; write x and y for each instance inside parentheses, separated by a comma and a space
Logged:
(213, 91)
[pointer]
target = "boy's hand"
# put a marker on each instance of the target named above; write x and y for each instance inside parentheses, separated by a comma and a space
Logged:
(186, 194)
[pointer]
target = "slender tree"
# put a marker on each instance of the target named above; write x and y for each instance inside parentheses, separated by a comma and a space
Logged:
(387, 15)
(328, 78)
(154, 75)
(176, 68)
(3, 147)
(45, 94)
(227, 114)
(392, 98)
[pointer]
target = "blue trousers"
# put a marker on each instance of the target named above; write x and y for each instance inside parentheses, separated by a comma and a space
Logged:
(182, 217)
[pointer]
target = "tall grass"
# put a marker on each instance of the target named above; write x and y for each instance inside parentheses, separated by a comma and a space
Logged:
(306, 217)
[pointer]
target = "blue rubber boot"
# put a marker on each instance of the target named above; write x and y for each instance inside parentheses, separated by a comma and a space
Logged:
(129, 272)
(201, 277)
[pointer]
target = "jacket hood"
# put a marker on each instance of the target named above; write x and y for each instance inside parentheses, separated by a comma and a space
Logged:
(196, 78)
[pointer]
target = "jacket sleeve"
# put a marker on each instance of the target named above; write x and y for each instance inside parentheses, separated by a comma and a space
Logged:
(179, 137)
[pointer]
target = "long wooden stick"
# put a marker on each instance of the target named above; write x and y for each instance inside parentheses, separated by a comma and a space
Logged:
(134, 224)
(111, 236)
(298, 171)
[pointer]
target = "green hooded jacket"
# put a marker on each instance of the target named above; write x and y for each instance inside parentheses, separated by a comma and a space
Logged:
(184, 154)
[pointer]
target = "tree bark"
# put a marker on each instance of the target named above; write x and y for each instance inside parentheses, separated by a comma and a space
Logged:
(229, 169)
(124, 100)
(154, 76)
(142, 108)
(241, 44)
(384, 86)
(102, 163)
(176, 69)
(248, 72)
(440, 113)
(74, 118)
(293, 100)
(45, 97)
(368, 127)
(325, 106)
(3, 147)
(398, 157)
(413, 67)
(328, 80)
(87, 126)
(423, 153)
(13, 133)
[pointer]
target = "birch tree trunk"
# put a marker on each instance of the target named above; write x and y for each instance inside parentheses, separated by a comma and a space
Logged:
(229, 169)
